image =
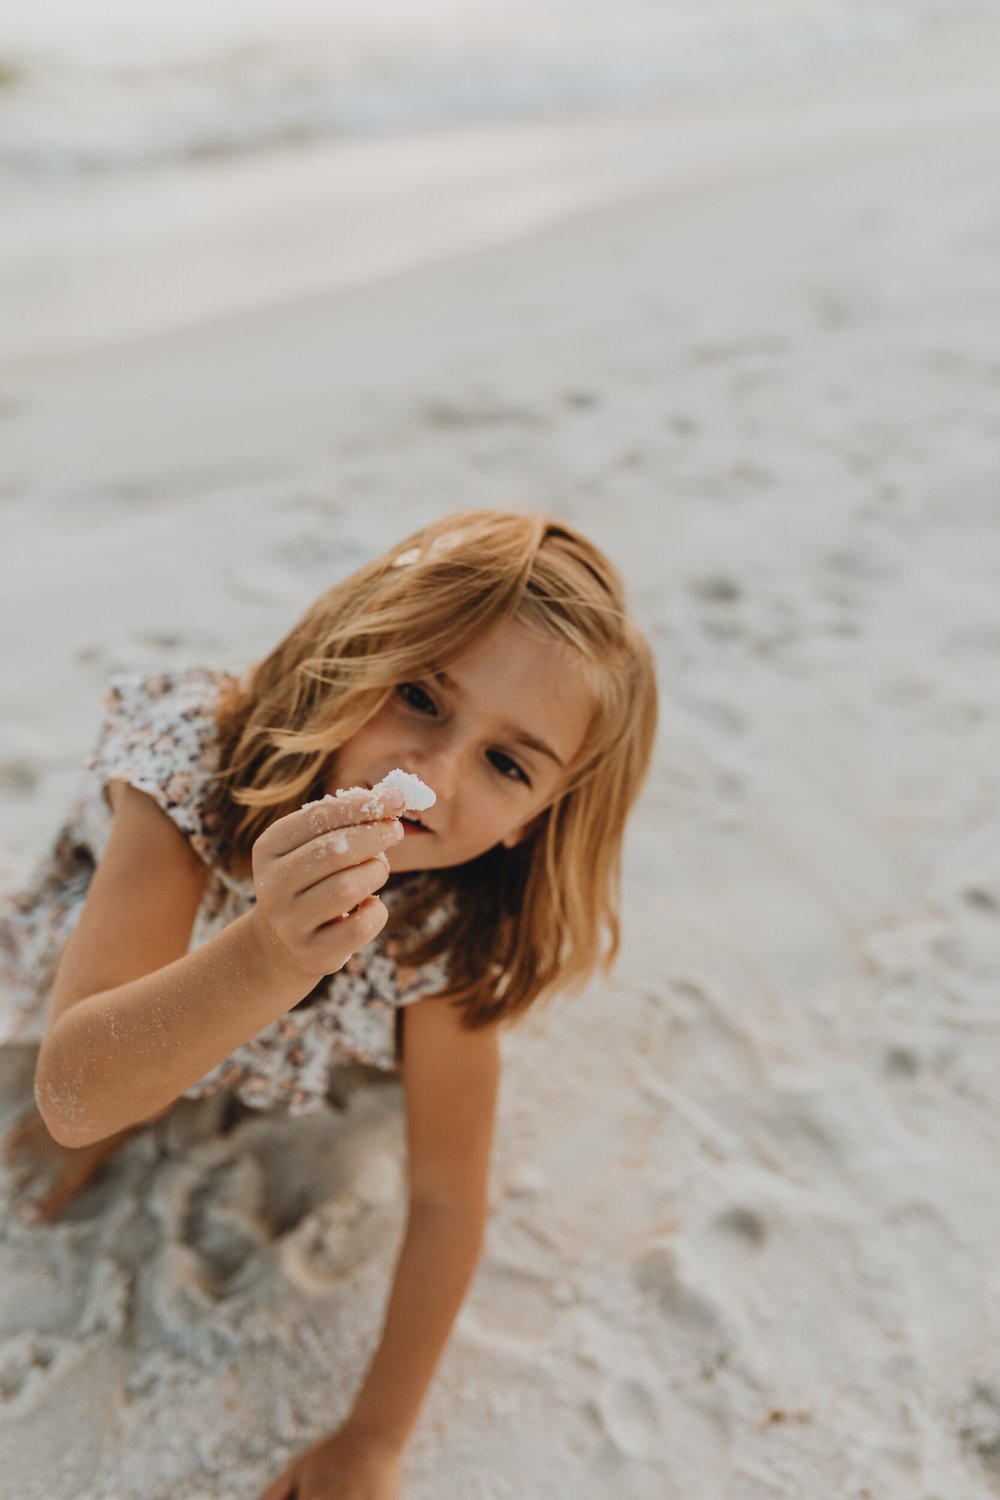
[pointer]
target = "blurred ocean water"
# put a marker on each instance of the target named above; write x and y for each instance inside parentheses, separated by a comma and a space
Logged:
(120, 84)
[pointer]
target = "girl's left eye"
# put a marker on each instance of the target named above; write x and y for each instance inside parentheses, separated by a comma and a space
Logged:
(416, 697)
(507, 766)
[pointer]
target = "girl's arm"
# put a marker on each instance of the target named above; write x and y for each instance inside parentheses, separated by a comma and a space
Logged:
(135, 1018)
(451, 1077)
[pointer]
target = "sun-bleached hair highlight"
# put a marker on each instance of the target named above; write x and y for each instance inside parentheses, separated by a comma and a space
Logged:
(530, 921)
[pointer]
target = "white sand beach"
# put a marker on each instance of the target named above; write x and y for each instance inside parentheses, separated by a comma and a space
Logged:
(745, 1200)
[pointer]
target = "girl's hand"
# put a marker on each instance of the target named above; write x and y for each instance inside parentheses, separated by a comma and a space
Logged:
(315, 873)
(353, 1464)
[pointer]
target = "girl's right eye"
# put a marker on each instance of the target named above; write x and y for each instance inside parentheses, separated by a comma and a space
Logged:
(416, 697)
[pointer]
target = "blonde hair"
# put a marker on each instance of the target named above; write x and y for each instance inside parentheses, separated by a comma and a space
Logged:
(532, 920)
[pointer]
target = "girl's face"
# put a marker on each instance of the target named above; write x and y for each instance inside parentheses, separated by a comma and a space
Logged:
(492, 737)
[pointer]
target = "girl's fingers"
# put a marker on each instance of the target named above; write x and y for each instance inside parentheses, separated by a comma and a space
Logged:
(334, 943)
(316, 818)
(330, 899)
(340, 851)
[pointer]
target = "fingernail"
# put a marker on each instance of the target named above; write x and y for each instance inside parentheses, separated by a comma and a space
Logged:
(397, 832)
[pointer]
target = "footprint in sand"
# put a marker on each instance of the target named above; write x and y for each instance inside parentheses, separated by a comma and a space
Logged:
(632, 1419)
(708, 1042)
(22, 1358)
(333, 1244)
(742, 1226)
(716, 588)
(808, 1136)
(221, 1221)
(211, 1232)
(979, 1427)
(28, 1364)
(290, 1186)
(514, 1304)
(695, 1328)
(449, 415)
(18, 775)
(982, 900)
(580, 400)
(36, 1298)
(728, 1245)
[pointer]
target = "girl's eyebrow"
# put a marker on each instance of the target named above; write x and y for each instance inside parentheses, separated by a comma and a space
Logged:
(519, 736)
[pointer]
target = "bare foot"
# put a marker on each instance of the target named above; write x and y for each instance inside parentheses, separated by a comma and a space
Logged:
(47, 1176)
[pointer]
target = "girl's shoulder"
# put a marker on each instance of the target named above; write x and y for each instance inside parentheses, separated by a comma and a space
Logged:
(159, 734)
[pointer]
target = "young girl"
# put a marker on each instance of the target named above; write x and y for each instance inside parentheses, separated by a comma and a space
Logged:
(207, 922)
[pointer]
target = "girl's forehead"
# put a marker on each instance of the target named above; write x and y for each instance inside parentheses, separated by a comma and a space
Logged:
(521, 654)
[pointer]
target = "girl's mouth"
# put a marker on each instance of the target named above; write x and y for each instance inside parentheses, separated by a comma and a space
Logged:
(412, 825)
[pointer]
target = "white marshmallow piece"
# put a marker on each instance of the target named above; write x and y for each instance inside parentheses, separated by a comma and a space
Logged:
(418, 795)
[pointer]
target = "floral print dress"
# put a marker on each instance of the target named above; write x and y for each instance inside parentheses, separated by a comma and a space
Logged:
(159, 734)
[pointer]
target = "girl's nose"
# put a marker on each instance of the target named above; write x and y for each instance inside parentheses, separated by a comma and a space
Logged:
(438, 770)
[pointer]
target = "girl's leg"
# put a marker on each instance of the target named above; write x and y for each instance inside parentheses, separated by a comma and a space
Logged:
(48, 1176)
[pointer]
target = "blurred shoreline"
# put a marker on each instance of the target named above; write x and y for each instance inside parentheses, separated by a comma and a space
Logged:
(90, 263)
(108, 88)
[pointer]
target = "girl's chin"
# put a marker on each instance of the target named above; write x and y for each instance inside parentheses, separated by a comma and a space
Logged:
(411, 854)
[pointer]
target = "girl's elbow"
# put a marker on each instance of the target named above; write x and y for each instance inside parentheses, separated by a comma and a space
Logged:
(61, 1130)
(62, 1108)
